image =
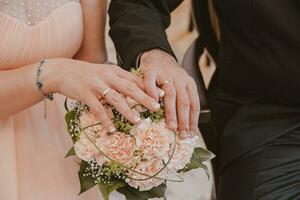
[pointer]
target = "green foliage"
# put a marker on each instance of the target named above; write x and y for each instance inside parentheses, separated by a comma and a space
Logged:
(70, 117)
(108, 188)
(121, 124)
(154, 116)
(71, 152)
(200, 155)
(137, 72)
(72, 121)
(86, 181)
(134, 194)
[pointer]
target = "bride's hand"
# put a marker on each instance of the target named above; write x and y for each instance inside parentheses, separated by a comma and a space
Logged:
(88, 83)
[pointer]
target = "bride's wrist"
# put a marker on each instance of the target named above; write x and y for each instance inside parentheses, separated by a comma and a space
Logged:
(50, 76)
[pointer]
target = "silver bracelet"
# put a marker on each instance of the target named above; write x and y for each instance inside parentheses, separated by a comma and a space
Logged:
(39, 83)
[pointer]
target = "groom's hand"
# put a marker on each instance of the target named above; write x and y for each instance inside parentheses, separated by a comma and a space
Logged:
(181, 100)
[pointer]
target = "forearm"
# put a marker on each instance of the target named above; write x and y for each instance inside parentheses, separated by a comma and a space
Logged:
(138, 26)
(18, 90)
(94, 19)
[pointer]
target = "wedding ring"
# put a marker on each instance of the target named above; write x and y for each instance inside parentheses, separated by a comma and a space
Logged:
(168, 82)
(106, 92)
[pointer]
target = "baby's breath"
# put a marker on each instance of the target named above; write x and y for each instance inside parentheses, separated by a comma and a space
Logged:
(74, 122)
(105, 173)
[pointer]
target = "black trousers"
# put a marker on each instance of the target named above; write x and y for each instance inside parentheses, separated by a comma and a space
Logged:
(271, 172)
(257, 146)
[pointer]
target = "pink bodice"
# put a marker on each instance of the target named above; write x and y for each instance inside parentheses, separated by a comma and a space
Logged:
(31, 30)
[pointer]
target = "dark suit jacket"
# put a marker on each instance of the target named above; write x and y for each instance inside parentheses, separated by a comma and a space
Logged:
(255, 95)
(138, 26)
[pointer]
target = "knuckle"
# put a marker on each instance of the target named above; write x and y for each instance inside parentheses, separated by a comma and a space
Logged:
(103, 116)
(131, 88)
(183, 125)
(185, 103)
(170, 113)
(115, 67)
(115, 97)
(145, 99)
(170, 91)
(149, 71)
(192, 81)
(195, 107)
(106, 122)
(88, 101)
(127, 113)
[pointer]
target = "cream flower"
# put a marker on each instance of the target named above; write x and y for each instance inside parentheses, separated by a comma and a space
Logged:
(118, 146)
(89, 119)
(140, 128)
(153, 139)
(84, 147)
(183, 153)
(150, 168)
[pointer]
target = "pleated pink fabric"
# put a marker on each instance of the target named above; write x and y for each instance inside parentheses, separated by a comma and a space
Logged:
(32, 148)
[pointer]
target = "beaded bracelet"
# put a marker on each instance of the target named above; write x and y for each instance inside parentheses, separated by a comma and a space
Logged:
(39, 83)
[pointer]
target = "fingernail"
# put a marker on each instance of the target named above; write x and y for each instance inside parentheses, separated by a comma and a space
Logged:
(136, 119)
(161, 93)
(173, 125)
(156, 106)
(111, 129)
(183, 134)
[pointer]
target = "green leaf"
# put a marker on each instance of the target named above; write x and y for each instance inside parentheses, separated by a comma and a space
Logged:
(71, 152)
(86, 182)
(203, 154)
(205, 168)
(134, 194)
(200, 155)
(108, 188)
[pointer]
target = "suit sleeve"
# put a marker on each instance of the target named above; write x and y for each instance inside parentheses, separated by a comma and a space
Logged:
(138, 26)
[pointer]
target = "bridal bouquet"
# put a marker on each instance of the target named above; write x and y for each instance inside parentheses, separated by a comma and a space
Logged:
(137, 160)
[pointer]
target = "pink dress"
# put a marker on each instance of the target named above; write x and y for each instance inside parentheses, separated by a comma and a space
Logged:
(32, 148)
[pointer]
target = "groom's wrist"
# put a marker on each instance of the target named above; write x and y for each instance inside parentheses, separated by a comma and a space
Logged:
(157, 53)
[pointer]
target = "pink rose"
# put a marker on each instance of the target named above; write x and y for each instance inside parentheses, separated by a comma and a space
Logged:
(118, 146)
(150, 168)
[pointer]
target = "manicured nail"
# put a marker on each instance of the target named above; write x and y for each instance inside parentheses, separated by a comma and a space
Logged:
(161, 93)
(183, 134)
(156, 106)
(111, 129)
(172, 125)
(136, 119)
